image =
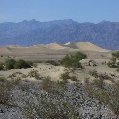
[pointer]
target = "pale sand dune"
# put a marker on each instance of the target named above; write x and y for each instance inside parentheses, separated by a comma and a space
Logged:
(5, 50)
(53, 51)
(55, 46)
(85, 46)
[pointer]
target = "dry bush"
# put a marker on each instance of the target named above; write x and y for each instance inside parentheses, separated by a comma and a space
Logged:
(34, 73)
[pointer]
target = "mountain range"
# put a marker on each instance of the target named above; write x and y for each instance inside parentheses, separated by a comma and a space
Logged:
(26, 33)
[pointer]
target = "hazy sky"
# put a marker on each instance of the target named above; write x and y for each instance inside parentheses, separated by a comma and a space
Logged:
(46, 10)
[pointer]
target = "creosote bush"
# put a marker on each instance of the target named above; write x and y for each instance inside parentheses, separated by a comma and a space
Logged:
(1, 67)
(34, 73)
(72, 60)
(65, 76)
(115, 54)
(13, 64)
(9, 64)
(22, 64)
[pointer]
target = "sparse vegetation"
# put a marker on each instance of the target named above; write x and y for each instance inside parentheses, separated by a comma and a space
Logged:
(5, 91)
(105, 94)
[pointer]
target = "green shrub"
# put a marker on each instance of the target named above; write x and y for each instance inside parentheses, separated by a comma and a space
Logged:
(13, 64)
(111, 65)
(72, 60)
(1, 67)
(21, 64)
(115, 54)
(9, 64)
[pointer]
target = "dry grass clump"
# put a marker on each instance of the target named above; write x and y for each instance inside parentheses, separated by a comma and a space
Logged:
(33, 73)
(17, 75)
(65, 76)
(101, 76)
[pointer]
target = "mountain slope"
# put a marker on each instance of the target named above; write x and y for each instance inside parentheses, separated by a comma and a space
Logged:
(104, 34)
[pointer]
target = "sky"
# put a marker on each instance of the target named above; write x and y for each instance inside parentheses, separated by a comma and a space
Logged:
(46, 10)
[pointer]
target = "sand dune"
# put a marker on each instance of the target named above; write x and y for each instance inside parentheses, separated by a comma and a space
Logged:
(53, 51)
(5, 50)
(85, 46)
(55, 46)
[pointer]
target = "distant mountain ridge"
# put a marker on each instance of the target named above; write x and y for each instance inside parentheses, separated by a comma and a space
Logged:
(104, 34)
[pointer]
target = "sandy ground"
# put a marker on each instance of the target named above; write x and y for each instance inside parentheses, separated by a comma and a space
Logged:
(44, 70)
(54, 72)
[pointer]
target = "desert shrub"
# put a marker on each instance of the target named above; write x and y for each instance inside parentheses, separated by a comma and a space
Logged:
(9, 64)
(94, 73)
(99, 83)
(101, 76)
(21, 64)
(34, 73)
(13, 64)
(73, 78)
(117, 66)
(2, 79)
(1, 66)
(72, 60)
(112, 63)
(65, 76)
(115, 54)
(47, 84)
